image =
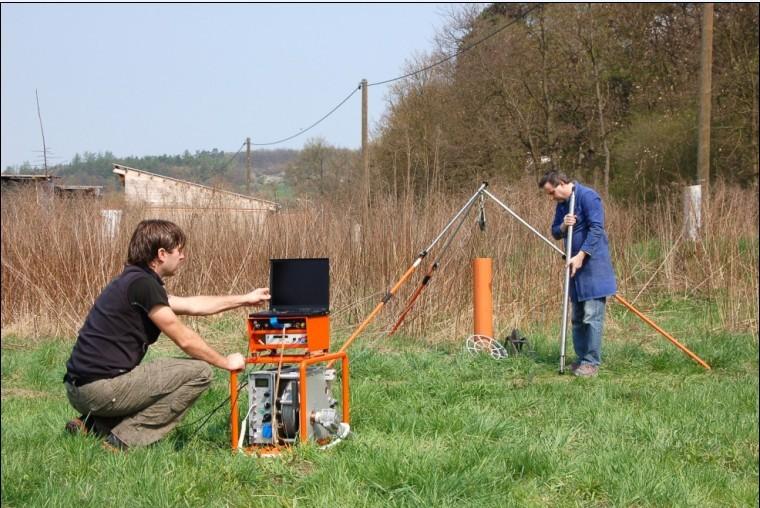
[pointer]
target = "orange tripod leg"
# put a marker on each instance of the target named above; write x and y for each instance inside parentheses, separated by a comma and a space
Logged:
(378, 308)
(662, 332)
(411, 301)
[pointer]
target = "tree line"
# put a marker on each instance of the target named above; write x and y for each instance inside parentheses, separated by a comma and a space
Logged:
(209, 167)
(605, 92)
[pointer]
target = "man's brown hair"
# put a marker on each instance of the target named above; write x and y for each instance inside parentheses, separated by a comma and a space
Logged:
(553, 177)
(149, 237)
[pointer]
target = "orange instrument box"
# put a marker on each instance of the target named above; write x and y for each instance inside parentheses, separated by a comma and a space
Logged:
(273, 333)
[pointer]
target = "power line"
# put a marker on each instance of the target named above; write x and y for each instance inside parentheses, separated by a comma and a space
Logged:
(224, 166)
(466, 48)
(333, 110)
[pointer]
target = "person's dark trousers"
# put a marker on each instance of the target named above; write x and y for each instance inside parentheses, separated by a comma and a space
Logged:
(142, 406)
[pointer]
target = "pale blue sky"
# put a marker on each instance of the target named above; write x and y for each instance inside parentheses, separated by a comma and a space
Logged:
(150, 79)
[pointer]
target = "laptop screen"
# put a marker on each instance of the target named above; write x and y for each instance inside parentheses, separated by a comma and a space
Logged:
(300, 284)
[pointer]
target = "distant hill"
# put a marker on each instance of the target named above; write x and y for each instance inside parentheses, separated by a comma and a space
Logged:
(215, 168)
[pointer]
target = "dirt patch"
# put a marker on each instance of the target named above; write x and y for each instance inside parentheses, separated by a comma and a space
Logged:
(21, 393)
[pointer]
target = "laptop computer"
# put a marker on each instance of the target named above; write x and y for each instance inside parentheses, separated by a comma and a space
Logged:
(298, 287)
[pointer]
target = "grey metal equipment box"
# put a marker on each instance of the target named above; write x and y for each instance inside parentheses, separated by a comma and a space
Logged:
(274, 406)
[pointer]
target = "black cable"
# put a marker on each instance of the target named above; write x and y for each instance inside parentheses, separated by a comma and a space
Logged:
(466, 48)
(211, 413)
(224, 166)
(333, 110)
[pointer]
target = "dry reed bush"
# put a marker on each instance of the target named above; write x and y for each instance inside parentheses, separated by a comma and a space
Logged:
(56, 259)
(654, 258)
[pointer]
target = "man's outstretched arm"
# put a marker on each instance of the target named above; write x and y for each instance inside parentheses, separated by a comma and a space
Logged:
(190, 342)
(207, 305)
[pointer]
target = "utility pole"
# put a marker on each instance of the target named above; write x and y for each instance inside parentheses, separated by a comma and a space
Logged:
(248, 165)
(695, 196)
(705, 103)
(44, 147)
(365, 148)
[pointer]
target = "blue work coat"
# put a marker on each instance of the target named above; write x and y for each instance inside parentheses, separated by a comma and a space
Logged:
(596, 277)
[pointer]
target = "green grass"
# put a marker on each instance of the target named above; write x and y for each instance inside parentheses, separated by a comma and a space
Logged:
(432, 426)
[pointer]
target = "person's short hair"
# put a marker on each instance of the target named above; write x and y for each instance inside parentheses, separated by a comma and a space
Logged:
(553, 177)
(149, 237)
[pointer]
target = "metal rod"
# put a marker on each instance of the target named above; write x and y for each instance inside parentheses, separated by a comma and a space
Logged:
(513, 214)
(566, 297)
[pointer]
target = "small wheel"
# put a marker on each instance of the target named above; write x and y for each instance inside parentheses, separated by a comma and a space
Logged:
(483, 344)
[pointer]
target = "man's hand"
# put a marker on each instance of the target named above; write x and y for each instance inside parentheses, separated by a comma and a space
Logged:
(257, 296)
(576, 262)
(235, 361)
(568, 221)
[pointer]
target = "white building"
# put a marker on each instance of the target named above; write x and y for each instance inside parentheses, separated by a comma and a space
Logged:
(163, 193)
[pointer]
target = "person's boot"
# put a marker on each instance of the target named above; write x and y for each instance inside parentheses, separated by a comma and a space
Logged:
(79, 425)
(586, 370)
(113, 444)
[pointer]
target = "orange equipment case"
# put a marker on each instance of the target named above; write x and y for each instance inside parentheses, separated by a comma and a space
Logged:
(315, 328)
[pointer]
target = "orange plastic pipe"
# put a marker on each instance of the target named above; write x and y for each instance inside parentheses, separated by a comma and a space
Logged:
(662, 332)
(482, 277)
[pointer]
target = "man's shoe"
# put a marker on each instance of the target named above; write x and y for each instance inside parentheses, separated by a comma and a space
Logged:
(574, 366)
(113, 444)
(586, 370)
(78, 426)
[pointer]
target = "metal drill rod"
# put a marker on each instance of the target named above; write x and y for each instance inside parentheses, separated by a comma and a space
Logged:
(566, 296)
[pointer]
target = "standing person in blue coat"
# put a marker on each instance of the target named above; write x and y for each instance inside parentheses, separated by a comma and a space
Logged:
(592, 276)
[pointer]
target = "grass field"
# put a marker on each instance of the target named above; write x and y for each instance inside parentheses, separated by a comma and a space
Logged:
(432, 426)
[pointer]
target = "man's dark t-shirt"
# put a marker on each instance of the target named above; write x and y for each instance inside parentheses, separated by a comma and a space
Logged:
(117, 331)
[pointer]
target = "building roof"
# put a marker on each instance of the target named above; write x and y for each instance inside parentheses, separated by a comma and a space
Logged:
(26, 178)
(122, 171)
(79, 187)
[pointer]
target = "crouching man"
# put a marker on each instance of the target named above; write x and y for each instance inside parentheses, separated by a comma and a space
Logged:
(128, 403)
